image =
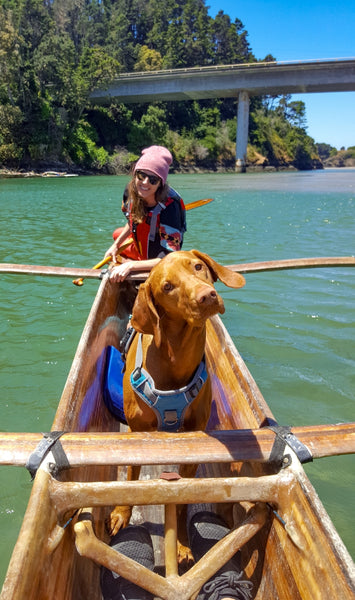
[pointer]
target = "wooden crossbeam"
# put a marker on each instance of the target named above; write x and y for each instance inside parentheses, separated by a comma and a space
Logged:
(68, 496)
(191, 447)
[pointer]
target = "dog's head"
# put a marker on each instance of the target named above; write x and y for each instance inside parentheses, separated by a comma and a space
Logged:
(180, 288)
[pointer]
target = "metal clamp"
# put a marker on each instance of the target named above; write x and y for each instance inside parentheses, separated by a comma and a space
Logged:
(284, 436)
(49, 443)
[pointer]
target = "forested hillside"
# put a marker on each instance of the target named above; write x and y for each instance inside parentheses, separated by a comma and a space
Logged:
(53, 53)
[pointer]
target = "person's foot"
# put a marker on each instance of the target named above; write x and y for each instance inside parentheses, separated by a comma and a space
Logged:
(134, 541)
(205, 530)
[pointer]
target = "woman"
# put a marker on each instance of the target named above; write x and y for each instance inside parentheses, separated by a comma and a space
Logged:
(155, 215)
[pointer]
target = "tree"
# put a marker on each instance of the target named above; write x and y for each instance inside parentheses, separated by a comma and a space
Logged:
(148, 60)
(9, 58)
(292, 111)
(324, 150)
(151, 129)
(54, 53)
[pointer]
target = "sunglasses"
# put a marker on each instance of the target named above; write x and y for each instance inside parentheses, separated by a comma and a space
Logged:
(153, 179)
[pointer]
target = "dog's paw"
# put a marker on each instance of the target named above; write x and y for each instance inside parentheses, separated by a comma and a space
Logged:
(118, 519)
(185, 558)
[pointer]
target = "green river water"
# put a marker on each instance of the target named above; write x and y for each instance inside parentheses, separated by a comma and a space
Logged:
(294, 329)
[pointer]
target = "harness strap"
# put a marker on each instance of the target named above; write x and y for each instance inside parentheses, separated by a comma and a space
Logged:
(153, 220)
(126, 341)
(168, 406)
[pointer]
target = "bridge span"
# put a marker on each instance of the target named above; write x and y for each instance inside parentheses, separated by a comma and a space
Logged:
(239, 81)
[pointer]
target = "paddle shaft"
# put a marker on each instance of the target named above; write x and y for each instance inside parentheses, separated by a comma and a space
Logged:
(105, 260)
(255, 267)
(294, 263)
(164, 448)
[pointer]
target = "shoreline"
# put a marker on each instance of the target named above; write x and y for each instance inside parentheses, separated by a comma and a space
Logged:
(23, 174)
(6, 173)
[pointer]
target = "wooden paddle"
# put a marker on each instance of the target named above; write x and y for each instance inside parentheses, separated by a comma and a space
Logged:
(163, 448)
(294, 263)
(105, 261)
(255, 267)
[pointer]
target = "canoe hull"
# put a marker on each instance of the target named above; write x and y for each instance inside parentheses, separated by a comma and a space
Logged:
(299, 558)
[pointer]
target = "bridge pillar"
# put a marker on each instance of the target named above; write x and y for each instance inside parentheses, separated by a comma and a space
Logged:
(242, 132)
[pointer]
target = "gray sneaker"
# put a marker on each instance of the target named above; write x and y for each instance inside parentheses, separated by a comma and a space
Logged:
(205, 530)
(135, 542)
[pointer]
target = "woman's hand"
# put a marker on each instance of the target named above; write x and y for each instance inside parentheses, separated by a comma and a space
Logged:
(120, 272)
(112, 251)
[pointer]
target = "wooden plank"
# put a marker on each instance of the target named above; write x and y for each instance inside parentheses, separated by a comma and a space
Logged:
(254, 267)
(73, 495)
(54, 271)
(189, 447)
(295, 263)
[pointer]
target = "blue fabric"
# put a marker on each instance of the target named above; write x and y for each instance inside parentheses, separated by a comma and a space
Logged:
(169, 406)
(113, 383)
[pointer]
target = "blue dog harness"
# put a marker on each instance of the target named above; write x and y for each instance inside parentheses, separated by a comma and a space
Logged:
(169, 406)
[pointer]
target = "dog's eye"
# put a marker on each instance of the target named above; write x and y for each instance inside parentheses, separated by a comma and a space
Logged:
(167, 286)
(198, 267)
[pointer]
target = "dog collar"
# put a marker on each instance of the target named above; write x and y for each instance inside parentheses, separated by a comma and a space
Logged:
(169, 406)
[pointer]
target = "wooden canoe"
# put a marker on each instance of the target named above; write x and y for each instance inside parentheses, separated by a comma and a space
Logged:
(290, 548)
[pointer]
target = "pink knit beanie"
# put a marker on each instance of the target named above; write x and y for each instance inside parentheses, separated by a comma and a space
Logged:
(156, 159)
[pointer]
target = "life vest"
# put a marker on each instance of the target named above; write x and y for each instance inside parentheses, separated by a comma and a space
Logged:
(145, 232)
(142, 233)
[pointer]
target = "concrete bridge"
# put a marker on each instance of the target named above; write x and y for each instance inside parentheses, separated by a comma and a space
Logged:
(238, 81)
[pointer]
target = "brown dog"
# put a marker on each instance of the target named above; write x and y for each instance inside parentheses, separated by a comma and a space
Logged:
(171, 311)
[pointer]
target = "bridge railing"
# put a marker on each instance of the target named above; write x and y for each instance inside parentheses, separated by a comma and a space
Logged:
(235, 66)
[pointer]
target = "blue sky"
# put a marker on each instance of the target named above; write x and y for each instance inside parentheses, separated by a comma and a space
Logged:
(303, 30)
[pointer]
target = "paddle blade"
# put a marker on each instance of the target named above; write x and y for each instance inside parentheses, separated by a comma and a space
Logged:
(198, 203)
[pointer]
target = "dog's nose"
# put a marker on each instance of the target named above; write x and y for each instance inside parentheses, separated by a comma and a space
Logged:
(206, 296)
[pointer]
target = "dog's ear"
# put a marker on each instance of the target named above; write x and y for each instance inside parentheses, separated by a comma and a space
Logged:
(228, 277)
(145, 318)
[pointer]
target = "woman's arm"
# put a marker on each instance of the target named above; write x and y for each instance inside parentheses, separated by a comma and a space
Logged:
(120, 272)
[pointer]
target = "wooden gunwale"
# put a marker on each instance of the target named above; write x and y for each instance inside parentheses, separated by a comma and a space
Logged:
(295, 555)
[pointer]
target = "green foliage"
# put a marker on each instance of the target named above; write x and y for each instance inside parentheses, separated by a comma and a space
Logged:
(325, 151)
(279, 134)
(54, 53)
(10, 154)
(10, 41)
(351, 152)
(81, 148)
(148, 60)
(10, 130)
(151, 129)
(121, 161)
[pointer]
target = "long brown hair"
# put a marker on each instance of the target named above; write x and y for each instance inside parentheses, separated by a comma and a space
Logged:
(138, 209)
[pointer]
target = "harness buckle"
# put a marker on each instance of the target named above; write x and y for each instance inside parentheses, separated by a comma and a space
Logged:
(137, 373)
(170, 417)
(194, 390)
